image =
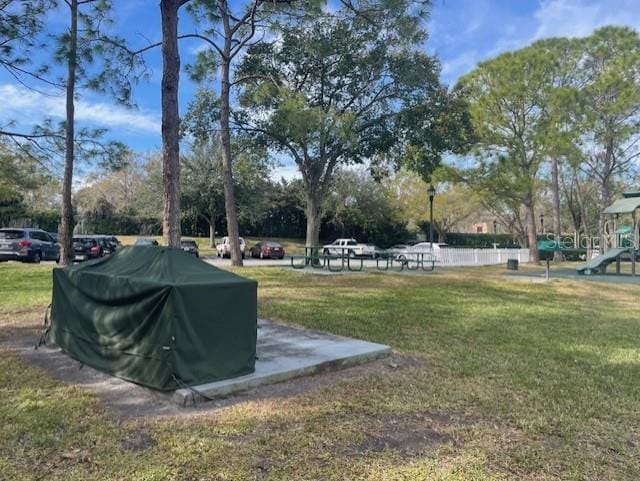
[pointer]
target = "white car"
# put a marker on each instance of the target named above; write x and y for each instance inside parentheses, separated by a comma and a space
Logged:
(412, 253)
(223, 249)
(349, 247)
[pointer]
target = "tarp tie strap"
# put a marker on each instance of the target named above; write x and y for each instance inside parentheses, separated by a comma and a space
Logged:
(194, 391)
(46, 326)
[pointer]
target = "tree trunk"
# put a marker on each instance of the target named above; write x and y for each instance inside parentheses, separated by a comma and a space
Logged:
(66, 216)
(170, 123)
(555, 193)
(605, 193)
(314, 217)
(225, 138)
(583, 214)
(212, 232)
(531, 229)
(605, 201)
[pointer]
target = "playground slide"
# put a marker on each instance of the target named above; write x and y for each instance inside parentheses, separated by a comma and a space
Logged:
(594, 265)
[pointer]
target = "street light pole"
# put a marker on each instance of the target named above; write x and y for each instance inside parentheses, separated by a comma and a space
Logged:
(432, 192)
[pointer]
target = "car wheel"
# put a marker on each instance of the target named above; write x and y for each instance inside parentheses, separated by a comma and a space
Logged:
(352, 254)
(58, 260)
(325, 252)
(36, 258)
(243, 255)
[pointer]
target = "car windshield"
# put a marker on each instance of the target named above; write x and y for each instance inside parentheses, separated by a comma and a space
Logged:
(273, 244)
(188, 243)
(351, 243)
(84, 242)
(11, 234)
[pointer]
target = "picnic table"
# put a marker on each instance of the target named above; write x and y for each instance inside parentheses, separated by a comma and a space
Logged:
(385, 260)
(313, 258)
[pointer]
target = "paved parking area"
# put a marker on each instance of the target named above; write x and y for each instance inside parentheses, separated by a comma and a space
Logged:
(249, 262)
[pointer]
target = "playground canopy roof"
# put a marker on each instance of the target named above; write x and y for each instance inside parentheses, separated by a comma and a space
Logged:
(626, 205)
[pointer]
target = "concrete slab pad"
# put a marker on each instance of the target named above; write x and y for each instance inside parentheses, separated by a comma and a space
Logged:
(286, 352)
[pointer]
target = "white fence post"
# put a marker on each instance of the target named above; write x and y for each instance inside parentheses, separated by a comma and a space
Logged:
(451, 256)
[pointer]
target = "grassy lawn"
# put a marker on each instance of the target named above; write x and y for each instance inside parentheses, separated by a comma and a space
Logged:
(497, 379)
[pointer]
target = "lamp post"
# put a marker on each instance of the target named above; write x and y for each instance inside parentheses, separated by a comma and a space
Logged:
(432, 193)
(542, 223)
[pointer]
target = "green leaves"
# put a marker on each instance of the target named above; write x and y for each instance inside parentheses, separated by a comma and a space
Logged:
(350, 86)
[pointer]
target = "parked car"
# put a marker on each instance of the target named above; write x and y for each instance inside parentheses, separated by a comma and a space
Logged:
(190, 246)
(398, 250)
(421, 248)
(86, 247)
(112, 242)
(145, 242)
(349, 247)
(372, 251)
(267, 249)
(54, 236)
(105, 244)
(28, 245)
(223, 249)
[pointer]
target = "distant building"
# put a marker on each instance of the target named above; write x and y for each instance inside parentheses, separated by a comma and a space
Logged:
(482, 224)
(480, 228)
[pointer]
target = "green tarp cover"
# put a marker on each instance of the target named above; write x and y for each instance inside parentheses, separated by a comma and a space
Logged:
(156, 316)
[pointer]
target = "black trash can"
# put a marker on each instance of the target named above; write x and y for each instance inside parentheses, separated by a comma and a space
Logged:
(512, 264)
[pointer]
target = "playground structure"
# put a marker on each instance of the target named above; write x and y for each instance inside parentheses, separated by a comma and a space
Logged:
(618, 239)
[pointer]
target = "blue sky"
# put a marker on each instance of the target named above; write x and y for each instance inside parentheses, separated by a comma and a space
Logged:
(461, 33)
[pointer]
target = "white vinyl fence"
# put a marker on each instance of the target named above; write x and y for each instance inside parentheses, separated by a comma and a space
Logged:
(451, 256)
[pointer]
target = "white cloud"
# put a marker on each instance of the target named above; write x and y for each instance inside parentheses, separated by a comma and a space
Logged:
(28, 107)
(579, 18)
(464, 62)
(466, 33)
(287, 172)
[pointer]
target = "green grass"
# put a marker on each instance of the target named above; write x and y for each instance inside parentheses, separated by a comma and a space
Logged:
(496, 379)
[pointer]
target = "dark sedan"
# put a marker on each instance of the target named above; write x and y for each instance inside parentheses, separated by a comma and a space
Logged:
(190, 246)
(268, 249)
(86, 247)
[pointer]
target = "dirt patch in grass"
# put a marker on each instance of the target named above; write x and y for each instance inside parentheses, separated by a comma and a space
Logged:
(410, 434)
(136, 441)
(408, 441)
